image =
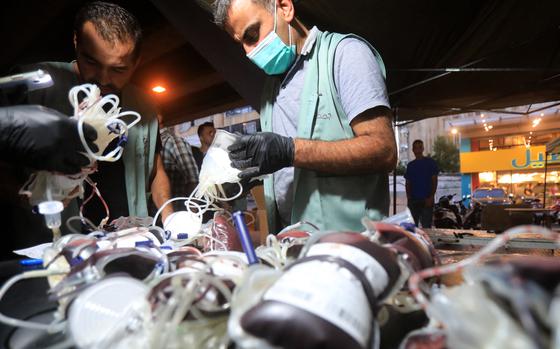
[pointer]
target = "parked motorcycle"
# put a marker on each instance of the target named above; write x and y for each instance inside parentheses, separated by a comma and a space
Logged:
(473, 216)
(447, 214)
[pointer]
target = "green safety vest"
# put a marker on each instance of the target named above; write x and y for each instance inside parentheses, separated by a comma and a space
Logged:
(139, 152)
(332, 202)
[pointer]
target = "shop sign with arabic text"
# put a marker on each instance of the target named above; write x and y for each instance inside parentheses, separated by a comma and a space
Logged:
(520, 158)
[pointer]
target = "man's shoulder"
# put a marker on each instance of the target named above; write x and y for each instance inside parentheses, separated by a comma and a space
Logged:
(434, 166)
(428, 164)
(424, 160)
(430, 160)
(351, 44)
(351, 41)
(420, 163)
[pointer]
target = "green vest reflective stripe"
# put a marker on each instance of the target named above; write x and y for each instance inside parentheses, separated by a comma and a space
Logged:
(139, 153)
(332, 202)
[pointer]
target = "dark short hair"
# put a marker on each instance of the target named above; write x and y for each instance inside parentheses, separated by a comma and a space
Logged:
(202, 126)
(112, 22)
(417, 141)
(220, 9)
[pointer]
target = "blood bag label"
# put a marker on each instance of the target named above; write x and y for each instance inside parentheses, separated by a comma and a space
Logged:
(328, 291)
(372, 269)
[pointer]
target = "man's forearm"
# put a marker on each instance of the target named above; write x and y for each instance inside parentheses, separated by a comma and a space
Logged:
(372, 150)
(161, 189)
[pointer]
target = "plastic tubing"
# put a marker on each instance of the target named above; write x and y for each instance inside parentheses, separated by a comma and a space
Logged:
(271, 252)
(109, 99)
(113, 117)
(199, 280)
(207, 203)
(95, 191)
(211, 194)
(213, 239)
(52, 327)
(186, 299)
(73, 97)
(247, 214)
(299, 225)
(172, 313)
(204, 199)
(136, 120)
(115, 154)
(499, 241)
(199, 213)
(81, 219)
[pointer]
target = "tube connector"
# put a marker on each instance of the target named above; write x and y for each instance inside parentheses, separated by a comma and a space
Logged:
(51, 210)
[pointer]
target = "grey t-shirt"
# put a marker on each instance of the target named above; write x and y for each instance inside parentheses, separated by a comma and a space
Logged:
(360, 86)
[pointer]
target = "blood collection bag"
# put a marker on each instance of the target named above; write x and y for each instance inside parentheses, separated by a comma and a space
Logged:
(327, 299)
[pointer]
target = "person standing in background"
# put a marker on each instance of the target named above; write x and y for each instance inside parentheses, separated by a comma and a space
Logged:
(179, 165)
(421, 185)
(206, 133)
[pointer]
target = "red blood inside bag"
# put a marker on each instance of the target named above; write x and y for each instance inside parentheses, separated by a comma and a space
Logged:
(328, 299)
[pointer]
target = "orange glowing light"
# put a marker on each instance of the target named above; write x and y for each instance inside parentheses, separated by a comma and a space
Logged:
(159, 89)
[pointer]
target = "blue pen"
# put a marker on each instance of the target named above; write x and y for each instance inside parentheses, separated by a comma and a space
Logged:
(32, 262)
(144, 243)
(244, 236)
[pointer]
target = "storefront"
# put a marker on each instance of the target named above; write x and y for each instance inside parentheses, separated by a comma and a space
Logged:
(519, 171)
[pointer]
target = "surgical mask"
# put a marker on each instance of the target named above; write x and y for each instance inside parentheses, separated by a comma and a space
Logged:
(272, 55)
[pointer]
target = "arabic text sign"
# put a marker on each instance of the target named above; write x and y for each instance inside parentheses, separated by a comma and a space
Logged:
(520, 158)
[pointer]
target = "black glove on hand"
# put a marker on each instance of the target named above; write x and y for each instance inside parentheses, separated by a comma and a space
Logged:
(261, 153)
(231, 189)
(43, 139)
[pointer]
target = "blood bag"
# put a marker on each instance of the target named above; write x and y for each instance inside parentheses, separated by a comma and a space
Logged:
(303, 309)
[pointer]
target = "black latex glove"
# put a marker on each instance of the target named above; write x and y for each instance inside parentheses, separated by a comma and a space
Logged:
(261, 153)
(231, 189)
(43, 139)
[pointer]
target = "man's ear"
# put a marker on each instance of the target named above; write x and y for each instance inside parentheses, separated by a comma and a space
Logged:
(75, 40)
(286, 10)
(137, 60)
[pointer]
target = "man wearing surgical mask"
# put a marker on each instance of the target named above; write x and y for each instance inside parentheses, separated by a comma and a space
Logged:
(327, 136)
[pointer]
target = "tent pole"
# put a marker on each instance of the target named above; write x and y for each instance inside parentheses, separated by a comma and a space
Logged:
(544, 187)
(468, 70)
(395, 118)
(422, 82)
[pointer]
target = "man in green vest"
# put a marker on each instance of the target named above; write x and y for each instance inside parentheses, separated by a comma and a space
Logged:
(327, 140)
(107, 41)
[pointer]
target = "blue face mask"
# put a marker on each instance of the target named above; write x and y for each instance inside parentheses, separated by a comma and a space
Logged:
(272, 55)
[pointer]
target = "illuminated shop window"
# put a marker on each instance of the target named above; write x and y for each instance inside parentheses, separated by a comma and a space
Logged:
(530, 184)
